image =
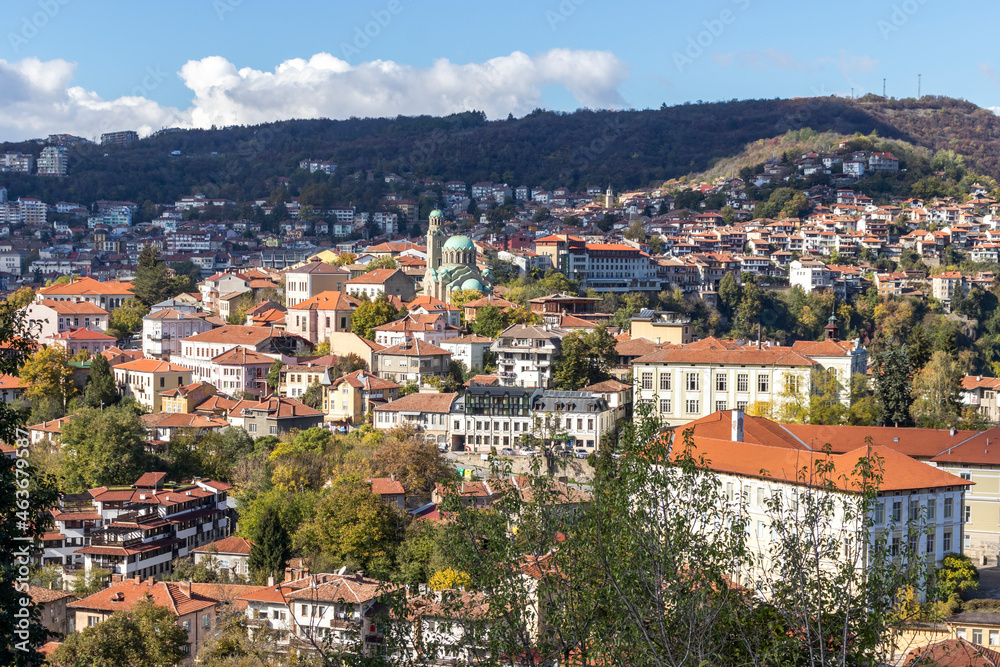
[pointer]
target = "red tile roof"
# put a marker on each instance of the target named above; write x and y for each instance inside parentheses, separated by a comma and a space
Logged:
(329, 300)
(376, 277)
(386, 486)
(125, 595)
(151, 366)
(420, 403)
(228, 545)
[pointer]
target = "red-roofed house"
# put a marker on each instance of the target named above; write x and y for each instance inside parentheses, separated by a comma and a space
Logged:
(350, 397)
(230, 554)
(317, 317)
(75, 340)
(145, 379)
(391, 282)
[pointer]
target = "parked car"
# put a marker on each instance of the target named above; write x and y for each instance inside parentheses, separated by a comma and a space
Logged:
(506, 451)
(528, 451)
(443, 447)
(565, 454)
(582, 453)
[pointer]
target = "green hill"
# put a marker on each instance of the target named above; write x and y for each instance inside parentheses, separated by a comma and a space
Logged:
(624, 148)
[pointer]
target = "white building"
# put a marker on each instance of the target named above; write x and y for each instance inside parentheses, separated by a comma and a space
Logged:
(162, 331)
(810, 274)
(525, 353)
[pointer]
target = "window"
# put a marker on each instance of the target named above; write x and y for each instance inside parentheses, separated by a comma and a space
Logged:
(792, 384)
(251, 427)
(894, 549)
(720, 405)
(692, 406)
(721, 382)
(960, 633)
(187, 626)
(760, 496)
(763, 383)
(968, 514)
(741, 405)
(93, 620)
(647, 380)
(743, 382)
(931, 543)
(931, 509)
(693, 382)
(966, 476)
(977, 636)
(206, 620)
(879, 513)
(665, 406)
(994, 637)
(946, 541)
(273, 430)
(949, 507)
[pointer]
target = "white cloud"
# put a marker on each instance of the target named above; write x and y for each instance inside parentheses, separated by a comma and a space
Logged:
(37, 98)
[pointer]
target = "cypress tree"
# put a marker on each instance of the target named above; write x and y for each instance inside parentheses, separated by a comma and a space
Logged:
(101, 390)
(270, 549)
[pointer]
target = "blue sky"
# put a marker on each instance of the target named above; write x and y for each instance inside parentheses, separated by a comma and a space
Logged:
(86, 67)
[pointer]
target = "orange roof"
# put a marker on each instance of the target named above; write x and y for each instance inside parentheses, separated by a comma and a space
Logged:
(73, 307)
(151, 366)
(10, 382)
(386, 486)
(241, 356)
(228, 545)
(376, 277)
(86, 286)
(329, 300)
(774, 356)
(82, 334)
(127, 594)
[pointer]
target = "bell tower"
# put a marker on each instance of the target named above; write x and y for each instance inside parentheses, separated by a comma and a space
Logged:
(435, 238)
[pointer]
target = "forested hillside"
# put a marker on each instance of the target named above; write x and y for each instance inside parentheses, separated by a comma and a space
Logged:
(624, 148)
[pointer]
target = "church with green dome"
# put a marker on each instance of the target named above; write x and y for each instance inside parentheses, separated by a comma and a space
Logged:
(451, 263)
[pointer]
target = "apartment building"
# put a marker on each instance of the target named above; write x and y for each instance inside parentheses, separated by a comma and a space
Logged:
(163, 330)
(350, 397)
(428, 413)
(662, 327)
(198, 351)
(682, 384)
(107, 295)
(317, 317)
(525, 354)
(54, 161)
(138, 529)
(49, 317)
(310, 279)
(412, 361)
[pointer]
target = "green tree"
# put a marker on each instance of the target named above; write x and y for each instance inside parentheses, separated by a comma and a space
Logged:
(956, 575)
(274, 374)
(387, 262)
(729, 292)
(48, 376)
(270, 549)
(371, 314)
(584, 359)
(103, 447)
(147, 635)
(101, 389)
(918, 346)
(463, 296)
(636, 232)
(937, 392)
(489, 322)
(352, 526)
(151, 284)
(313, 397)
(748, 312)
(26, 496)
(127, 318)
(891, 375)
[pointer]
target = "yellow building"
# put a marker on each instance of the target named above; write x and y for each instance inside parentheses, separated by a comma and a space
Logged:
(145, 379)
(350, 397)
(662, 327)
(184, 399)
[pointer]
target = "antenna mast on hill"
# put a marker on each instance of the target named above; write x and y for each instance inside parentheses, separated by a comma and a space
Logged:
(883, 88)
(918, 85)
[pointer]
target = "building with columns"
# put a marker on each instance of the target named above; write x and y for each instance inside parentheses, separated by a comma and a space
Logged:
(451, 263)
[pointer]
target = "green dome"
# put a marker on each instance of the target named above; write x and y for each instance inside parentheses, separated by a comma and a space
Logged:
(436, 213)
(472, 283)
(459, 243)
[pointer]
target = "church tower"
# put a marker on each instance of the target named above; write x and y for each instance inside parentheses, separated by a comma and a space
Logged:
(435, 238)
(609, 198)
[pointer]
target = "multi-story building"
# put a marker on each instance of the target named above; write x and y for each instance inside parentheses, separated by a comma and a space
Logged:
(163, 330)
(662, 327)
(198, 351)
(281, 417)
(525, 354)
(390, 282)
(606, 267)
(682, 384)
(74, 341)
(240, 370)
(573, 419)
(183, 400)
(121, 138)
(350, 397)
(944, 286)
(412, 361)
(21, 163)
(310, 279)
(144, 379)
(138, 529)
(53, 161)
(468, 349)
(317, 317)
(981, 393)
(49, 317)
(428, 413)
(432, 329)
(810, 275)
(492, 418)
(295, 379)
(107, 295)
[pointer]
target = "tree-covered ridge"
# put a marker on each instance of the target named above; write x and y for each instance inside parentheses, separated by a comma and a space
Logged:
(625, 148)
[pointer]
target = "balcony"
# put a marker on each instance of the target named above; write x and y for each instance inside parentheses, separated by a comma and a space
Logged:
(104, 540)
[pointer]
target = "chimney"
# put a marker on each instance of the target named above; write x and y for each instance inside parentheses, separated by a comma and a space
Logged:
(270, 580)
(952, 431)
(185, 587)
(736, 417)
(138, 580)
(359, 575)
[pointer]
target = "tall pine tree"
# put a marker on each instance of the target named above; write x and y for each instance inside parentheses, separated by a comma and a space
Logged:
(152, 282)
(101, 390)
(891, 372)
(270, 549)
